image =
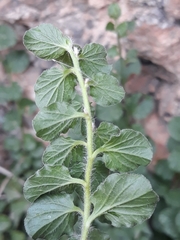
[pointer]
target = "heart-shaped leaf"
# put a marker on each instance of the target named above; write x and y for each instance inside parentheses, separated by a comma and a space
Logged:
(46, 41)
(55, 119)
(47, 179)
(105, 90)
(50, 217)
(124, 199)
(110, 26)
(114, 11)
(122, 29)
(93, 60)
(54, 85)
(127, 151)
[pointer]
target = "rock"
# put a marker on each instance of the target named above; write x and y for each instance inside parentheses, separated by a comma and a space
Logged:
(156, 129)
(19, 12)
(99, 4)
(157, 35)
(172, 8)
(169, 101)
(160, 46)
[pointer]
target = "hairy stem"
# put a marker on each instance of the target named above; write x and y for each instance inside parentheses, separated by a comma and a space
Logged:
(89, 129)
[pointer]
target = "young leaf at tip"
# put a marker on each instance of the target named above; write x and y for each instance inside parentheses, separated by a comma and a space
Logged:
(46, 41)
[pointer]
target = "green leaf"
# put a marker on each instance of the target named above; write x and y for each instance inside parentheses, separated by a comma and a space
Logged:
(167, 221)
(3, 204)
(132, 102)
(144, 108)
(5, 223)
(114, 11)
(92, 60)
(17, 235)
(177, 221)
(54, 85)
(105, 90)
(16, 61)
(55, 119)
(13, 191)
(163, 171)
(96, 234)
(63, 149)
(76, 168)
(174, 128)
(12, 120)
(109, 114)
(126, 152)
(65, 60)
(138, 127)
(131, 25)
(17, 209)
(10, 93)
(50, 217)
(159, 185)
(172, 145)
(131, 56)
(133, 68)
(120, 199)
(47, 42)
(110, 26)
(122, 29)
(99, 174)
(112, 52)
(29, 142)
(173, 161)
(172, 198)
(104, 132)
(46, 180)
(12, 143)
(7, 37)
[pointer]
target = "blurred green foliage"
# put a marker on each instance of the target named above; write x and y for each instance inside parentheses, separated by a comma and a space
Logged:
(23, 152)
(137, 107)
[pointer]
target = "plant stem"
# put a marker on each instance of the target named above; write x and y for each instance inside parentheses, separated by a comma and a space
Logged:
(89, 131)
(118, 40)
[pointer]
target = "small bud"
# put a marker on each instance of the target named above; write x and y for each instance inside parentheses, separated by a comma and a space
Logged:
(76, 51)
(85, 111)
(86, 80)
